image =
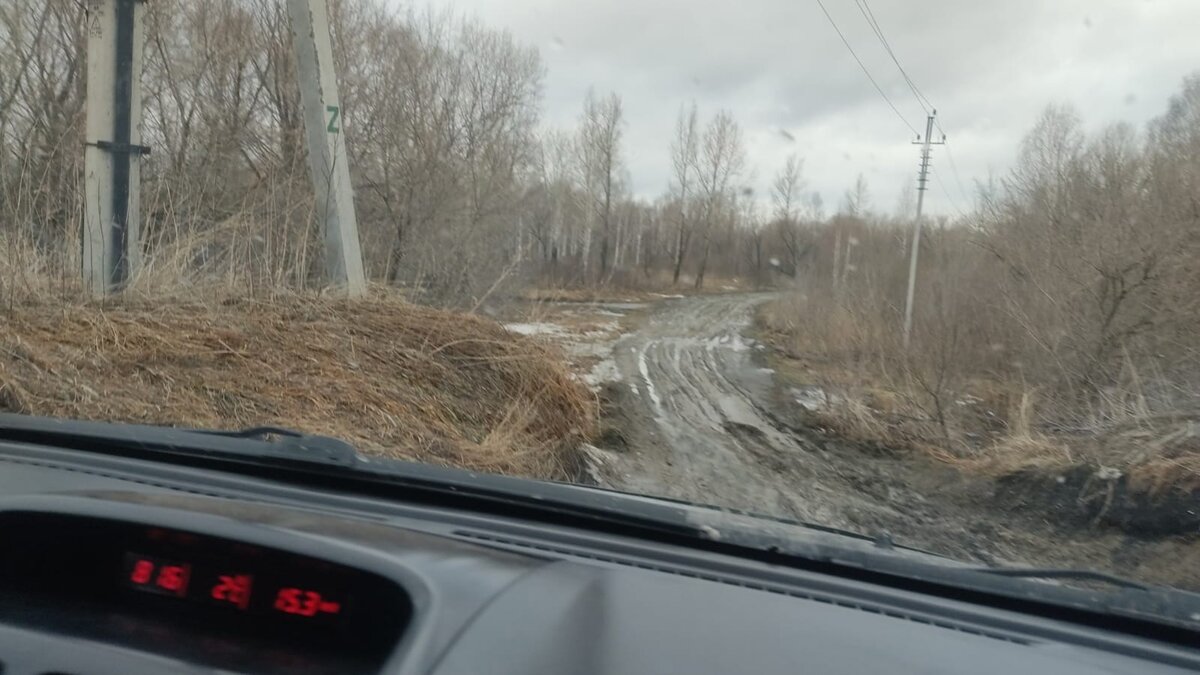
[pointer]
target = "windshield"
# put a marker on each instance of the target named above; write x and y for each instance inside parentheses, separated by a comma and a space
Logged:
(923, 274)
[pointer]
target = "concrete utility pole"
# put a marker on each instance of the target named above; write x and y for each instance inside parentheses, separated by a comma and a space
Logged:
(326, 144)
(112, 174)
(916, 243)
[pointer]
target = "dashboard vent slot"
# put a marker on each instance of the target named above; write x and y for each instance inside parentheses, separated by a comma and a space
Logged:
(588, 554)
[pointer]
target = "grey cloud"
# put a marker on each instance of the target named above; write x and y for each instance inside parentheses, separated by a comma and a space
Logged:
(989, 67)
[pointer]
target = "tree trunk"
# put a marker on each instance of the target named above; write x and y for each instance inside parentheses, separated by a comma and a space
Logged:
(680, 248)
(585, 251)
(617, 242)
(837, 256)
(703, 265)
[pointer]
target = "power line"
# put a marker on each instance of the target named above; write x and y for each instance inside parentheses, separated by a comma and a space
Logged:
(957, 178)
(953, 165)
(864, 68)
(946, 192)
(865, 8)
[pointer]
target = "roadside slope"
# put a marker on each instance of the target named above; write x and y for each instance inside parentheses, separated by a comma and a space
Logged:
(390, 377)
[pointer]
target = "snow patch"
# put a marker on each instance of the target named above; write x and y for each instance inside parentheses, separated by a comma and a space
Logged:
(813, 398)
(644, 369)
(731, 342)
(536, 329)
(604, 371)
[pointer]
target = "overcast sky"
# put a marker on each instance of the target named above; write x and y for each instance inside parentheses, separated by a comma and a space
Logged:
(989, 67)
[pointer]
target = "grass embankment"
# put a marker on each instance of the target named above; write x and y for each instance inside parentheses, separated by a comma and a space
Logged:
(1122, 464)
(392, 378)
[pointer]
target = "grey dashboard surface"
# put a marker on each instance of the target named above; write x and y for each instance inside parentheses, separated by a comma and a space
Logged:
(481, 609)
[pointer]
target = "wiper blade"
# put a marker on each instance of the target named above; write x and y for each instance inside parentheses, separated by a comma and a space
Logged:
(258, 443)
(319, 455)
(295, 444)
(1068, 574)
(262, 433)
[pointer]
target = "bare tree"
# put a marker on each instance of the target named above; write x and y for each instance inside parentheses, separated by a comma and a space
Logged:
(722, 160)
(685, 148)
(599, 144)
(857, 201)
(786, 195)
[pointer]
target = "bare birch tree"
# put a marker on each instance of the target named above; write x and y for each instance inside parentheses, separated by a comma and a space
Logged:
(685, 148)
(786, 195)
(600, 132)
(722, 160)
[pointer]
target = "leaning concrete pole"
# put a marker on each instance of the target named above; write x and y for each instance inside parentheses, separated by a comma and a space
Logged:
(111, 236)
(326, 144)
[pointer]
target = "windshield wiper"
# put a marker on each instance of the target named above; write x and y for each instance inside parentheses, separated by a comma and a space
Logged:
(1067, 574)
(257, 443)
(262, 433)
(332, 461)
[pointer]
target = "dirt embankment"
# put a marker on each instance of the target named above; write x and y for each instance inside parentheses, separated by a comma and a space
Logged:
(390, 377)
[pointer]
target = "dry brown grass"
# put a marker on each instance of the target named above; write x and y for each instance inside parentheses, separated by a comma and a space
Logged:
(999, 431)
(390, 377)
(1002, 430)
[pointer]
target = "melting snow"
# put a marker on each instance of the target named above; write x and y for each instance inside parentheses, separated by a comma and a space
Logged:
(644, 369)
(814, 398)
(536, 329)
(732, 342)
(604, 371)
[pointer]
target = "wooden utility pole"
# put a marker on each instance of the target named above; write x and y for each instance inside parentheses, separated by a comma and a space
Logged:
(112, 173)
(327, 159)
(916, 240)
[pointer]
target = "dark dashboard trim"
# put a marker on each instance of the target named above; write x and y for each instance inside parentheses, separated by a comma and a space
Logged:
(835, 577)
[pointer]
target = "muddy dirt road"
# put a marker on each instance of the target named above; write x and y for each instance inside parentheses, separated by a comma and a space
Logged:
(695, 415)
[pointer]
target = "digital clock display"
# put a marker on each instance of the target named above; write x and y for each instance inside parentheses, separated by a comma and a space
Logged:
(232, 605)
(230, 586)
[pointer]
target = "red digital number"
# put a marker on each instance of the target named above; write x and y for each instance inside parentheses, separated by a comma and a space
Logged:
(234, 589)
(301, 602)
(143, 572)
(159, 576)
(173, 578)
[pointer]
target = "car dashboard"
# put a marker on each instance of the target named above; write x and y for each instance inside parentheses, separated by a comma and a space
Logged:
(118, 565)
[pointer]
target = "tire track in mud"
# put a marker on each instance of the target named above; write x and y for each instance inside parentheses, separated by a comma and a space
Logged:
(698, 425)
(703, 421)
(705, 437)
